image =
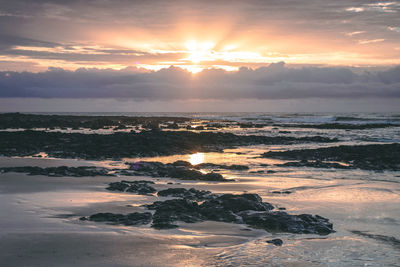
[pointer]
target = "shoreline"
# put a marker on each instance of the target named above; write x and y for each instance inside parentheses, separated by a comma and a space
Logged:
(41, 214)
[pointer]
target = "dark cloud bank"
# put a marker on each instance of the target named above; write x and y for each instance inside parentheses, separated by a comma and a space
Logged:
(276, 81)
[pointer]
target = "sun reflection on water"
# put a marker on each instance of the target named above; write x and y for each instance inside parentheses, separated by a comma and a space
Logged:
(197, 158)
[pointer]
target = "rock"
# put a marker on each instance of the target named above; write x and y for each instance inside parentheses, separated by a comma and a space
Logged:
(172, 126)
(192, 193)
(344, 126)
(368, 157)
(245, 208)
(182, 163)
(279, 221)
(221, 166)
(26, 121)
(222, 208)
(313, 164)
(281, 192)
(259, 171)
(237, 203)
(151, 125)
(141, 187)
(135, 218)
(246, 125)
(121, 127)
(60, 171)
(169, 211)
(185, 174)
(276, 242)
(180, 170)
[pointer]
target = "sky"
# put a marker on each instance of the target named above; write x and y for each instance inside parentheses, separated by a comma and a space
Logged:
(204, 55)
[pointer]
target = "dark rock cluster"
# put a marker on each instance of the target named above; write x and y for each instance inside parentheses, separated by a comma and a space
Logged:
(135, 218)
(180, 169)
(276, 242)
(246, 208)
(140, 187)
(344, 126)
(368, 157)
(242, 209)
(280, 221)
(29, 121)
(59, 171)
(314, 164)
(192, 194)
(282, 192)
(234, 167)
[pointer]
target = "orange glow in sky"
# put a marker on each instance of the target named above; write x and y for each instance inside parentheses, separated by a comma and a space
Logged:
(194, 35)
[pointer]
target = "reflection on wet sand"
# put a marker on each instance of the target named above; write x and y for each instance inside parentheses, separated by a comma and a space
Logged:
(363, 205)
(40, 222)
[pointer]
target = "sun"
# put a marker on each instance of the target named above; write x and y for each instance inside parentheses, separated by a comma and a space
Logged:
(197, 158)
(199, 51)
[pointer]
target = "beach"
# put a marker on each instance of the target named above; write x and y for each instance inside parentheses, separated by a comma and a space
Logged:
(42, 216)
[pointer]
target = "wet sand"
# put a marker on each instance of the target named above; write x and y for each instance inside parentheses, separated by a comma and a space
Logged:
(40, 223)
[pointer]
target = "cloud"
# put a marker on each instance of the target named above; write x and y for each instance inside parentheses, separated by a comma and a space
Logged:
(370, 41)
(284, 29)
(277, 81)
(389, 7)
(354, 33)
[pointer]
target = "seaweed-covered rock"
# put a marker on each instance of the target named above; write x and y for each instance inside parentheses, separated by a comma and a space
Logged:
(235, 167)
(124, 144)
(277, 242)
(59, 171)
(182, 163)
(279, 221)
(367, 157)
(185, 174)
(172, 126)
(244, 208)
(286, 192)
(141, 187)
(135, 218)
(313, 164)
(169, 211)
(237, 203)
(180, 170)
(192, 193)
(343, 126)
(28, 121)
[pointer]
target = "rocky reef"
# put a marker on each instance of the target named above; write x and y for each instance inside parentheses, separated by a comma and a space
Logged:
(120, 145)
(314, 164)
(59, 171)
(30, 121)
(342, 126)
(136, 218)
(368, 157)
